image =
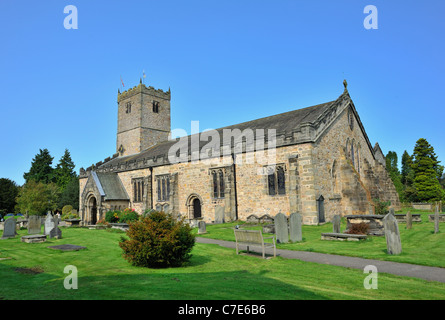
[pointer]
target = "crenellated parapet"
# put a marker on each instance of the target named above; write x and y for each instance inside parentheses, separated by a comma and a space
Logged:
(141, 88)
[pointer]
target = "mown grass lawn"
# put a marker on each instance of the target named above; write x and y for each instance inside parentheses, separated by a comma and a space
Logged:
(419, 245)
(213, 272)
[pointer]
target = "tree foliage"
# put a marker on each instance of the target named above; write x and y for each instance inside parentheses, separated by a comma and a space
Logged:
(8, 193)
(36, 198)
(394, 173)
(64, 171)
(41, 170)
(427, 172)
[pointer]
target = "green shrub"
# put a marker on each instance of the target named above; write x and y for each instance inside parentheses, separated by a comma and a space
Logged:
(112, 216)
(158, 241)
(128, 215)
(67, 209)
(381, 207)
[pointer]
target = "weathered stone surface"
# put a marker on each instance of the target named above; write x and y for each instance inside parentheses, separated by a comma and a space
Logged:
(393, 243)
(409, 220)
(336, 220)
(295, 223)
(202, 227)
(219, 214)
(49, 223)
(375, 223)
(67, 247)
(436, 220)
(343, 236)
(34, 238)
(281, 228)
(34, 225)
(252, 219)
(9, 229)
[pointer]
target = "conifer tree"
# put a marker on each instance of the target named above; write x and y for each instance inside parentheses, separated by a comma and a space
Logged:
(64, 171)
(41, 170)
(427, 172)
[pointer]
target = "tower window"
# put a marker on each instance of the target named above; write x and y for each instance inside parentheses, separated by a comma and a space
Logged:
(155, 106)
(128, 107)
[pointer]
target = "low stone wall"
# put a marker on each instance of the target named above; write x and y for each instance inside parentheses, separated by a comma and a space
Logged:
(441, 217)
(422, 206)
(402, 217)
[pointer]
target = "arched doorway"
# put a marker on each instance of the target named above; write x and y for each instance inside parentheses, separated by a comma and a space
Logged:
(92, 205)
(194, 205)
(196, 208)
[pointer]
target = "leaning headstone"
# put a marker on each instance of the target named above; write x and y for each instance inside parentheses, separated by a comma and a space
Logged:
(49, 223)
(295, 233)
(9, 229)
(55, 232)
(219, 214)
(409, 220)
(34, 225)
(202, 227)
(336, 221)
(393, 243)
(281, 228)
(436, 220)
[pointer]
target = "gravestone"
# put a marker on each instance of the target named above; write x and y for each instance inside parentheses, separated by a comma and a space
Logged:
(49, 223)
(9, 229)
(409, 220)
(202, 227)
(436, 220)
(295, 233)
(336, 224)
(219, 214)
(281, 228)
(55, 232)
(34, 225)
(393, 243)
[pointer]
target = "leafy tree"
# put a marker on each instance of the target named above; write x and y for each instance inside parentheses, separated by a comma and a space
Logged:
(427, 172)
(37, 197)
(394, 173)
(407, 178)
(70, 195)
(41, 170)
(8, 192)
(64, 171)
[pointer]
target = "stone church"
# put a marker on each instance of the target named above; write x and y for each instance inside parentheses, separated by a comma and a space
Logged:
(323, 164)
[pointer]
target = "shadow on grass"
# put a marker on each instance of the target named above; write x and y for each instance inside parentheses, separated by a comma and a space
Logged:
(152, 284)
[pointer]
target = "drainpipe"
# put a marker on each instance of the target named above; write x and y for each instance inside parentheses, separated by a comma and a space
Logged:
(151, 186)
(234, 186)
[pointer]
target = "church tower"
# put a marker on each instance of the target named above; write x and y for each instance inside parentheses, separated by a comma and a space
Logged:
(143, 119)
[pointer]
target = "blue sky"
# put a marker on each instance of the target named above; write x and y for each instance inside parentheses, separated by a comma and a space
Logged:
(226, 62)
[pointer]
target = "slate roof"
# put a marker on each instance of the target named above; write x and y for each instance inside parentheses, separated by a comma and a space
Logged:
(110, 186)
(287, 122)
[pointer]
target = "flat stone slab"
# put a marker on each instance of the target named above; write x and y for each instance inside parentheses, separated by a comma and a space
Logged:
(35, 238)
(343, 236)
(67, 247)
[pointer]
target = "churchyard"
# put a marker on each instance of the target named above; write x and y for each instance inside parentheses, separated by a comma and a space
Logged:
(37, 271)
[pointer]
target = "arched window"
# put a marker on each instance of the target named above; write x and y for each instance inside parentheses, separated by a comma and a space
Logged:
(276, 181)
(221, 184)
(218, 183)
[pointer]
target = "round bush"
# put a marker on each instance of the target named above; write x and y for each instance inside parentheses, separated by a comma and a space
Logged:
(158, 241)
